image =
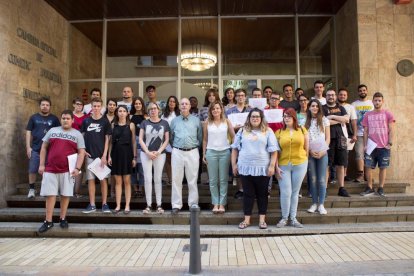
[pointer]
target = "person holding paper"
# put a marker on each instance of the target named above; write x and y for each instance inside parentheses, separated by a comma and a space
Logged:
(319, 138)
(58, 144)
(96, 131)
(239, 108)
(122, 155)
(293, 163)
(216, 154)
(253, 157)
(378, 127)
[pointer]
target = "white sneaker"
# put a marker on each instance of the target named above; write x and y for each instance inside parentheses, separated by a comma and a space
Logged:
(31, 193)
(322, 210)
(313, 208)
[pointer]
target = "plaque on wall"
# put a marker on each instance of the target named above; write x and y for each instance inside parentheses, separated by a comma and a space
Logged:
(405, 67)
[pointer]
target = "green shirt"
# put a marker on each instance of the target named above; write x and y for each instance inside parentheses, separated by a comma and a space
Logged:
(186, 132)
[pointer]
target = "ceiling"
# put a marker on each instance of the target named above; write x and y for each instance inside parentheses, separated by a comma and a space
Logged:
(271, 37)
(99, 9)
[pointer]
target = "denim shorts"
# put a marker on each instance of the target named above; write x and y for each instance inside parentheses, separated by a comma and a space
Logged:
(380, 156)
(34, 162)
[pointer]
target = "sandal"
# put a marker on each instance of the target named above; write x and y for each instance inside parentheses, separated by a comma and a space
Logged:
(117, 211)
(221, 210)
(146, 210)
(78, 195)
(126, 212)
(160, 210)
(243, 225)
(215, 210)
(263, 225)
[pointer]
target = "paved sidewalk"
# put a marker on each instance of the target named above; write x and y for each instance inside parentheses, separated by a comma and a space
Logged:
(362, 253)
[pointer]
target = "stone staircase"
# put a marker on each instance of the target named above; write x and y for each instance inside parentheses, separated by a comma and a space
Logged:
(395, 212)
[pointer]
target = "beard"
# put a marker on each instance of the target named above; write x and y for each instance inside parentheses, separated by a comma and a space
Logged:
(341, 102)
(363, 95)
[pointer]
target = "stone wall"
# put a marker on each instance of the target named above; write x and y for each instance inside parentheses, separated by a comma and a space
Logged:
(34, 62)
(386, 36)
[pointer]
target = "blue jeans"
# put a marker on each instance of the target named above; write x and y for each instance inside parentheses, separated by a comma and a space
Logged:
(217, 166)
(289, 185)
(317, 175)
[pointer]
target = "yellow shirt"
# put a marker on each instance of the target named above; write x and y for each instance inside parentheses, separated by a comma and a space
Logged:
(292, 146)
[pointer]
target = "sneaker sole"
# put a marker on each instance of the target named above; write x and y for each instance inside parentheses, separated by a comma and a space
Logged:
(107, 211)
(88, 212)
(371, 194)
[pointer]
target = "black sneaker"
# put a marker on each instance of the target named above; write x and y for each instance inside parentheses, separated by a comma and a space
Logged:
(45, 226)
(368, 191)
(238, 195)
(347, 178)
(380, 191)
(343, 192)
(63, 224)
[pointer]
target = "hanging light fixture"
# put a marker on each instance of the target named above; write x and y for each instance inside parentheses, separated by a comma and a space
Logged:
(197, 57)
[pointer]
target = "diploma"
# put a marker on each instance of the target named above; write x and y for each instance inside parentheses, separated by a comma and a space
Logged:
(260, 103)
(100, 172)
(371, 145)
(273, 115)
(238, 119)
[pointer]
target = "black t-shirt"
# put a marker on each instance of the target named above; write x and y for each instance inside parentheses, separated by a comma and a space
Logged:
(94, 132)
(293, 104)
(336, 130)
(154, 133)
(137, 120)
(39, 125)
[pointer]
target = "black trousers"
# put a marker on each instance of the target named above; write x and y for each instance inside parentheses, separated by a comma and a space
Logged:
(254, 187)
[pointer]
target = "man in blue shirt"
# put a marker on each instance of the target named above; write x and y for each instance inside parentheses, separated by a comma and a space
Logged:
(185, 137)
(38, 125)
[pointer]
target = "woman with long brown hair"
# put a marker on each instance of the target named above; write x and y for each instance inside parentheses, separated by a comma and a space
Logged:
(211, 96)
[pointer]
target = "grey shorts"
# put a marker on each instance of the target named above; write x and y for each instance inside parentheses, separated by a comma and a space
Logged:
(34, 162)
(359, 148)
(54, 184)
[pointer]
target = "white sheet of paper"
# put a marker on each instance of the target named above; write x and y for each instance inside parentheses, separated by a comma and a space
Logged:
(72, 162)
(273, 115)
(260, 103)
(100, 172)
(371, 145)
(318, 145)
(238, 119)
(349, 145)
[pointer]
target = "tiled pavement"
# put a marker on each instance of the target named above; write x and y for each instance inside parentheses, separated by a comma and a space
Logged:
(43, 255)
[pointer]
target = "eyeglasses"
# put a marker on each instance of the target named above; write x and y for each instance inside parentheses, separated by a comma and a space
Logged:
(275, 99)
(255, 117)
(287, 117)
(78, 103)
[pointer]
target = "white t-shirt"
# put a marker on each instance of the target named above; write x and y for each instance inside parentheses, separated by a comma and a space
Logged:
(314, 131)
(362, 107)
(321, 100)
(128, 105)
(350, 110)
(217, 137)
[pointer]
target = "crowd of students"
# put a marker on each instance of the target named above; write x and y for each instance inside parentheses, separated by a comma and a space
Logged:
(138, 140)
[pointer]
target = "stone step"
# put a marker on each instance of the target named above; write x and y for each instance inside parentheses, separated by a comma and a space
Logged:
(391, 200)
(204, 190)
(334, 216)
(77, 230)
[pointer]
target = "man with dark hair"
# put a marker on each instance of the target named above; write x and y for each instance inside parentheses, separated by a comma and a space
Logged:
(378, 127)
(96, 130)
(152, 97)
(337, 153)
(58, 144)
(289, 101)
(267, 92)
(194, 106)
(362, 106)
(257, 93)
(38, 125)
(318, 88)
(299, 92)
(95, 93)
(127, 95)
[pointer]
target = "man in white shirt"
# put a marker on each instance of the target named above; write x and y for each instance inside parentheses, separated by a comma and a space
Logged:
(318, 88)
(127, 94)
(362, 106)
(95, 93)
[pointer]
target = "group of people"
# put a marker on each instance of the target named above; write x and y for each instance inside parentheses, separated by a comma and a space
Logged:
(137, 140)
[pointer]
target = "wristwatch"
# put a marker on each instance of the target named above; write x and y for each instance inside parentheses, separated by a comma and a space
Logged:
(390, 144)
